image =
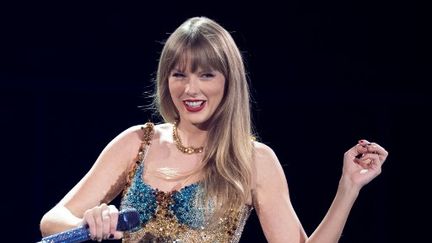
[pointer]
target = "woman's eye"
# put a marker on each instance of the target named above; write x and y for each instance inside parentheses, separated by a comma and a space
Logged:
(208, 75)
(178, 75)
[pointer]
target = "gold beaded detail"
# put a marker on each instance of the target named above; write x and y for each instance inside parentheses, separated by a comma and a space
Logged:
(147, 130)
(164, 226)
(180, 146)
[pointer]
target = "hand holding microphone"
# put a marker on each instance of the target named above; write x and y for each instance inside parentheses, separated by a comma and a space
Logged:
(101, 223)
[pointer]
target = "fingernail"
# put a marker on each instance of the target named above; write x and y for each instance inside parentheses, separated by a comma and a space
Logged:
(111, 236)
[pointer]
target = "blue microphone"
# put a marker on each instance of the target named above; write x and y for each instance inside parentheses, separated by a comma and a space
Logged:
(128, 219)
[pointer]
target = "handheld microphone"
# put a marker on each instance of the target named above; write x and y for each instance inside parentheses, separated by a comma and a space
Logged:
(128, 219)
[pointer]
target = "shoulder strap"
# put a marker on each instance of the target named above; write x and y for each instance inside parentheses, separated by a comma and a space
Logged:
(148, 131)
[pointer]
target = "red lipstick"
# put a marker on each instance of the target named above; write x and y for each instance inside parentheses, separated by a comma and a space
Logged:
(194, 105)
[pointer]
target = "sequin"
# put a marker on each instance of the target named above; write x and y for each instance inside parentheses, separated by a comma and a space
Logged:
(177, 216)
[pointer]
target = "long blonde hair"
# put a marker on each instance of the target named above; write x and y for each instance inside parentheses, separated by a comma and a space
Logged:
(228, 154)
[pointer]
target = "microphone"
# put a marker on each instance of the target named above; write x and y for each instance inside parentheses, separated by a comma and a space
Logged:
(128, 219)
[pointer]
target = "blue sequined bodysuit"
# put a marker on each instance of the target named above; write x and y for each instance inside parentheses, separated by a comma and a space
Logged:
(177, 216)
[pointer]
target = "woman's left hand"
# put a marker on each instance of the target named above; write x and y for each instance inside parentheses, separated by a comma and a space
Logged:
(363, 162)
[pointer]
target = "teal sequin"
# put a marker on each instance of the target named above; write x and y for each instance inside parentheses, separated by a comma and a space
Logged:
(142, 197)
(178, 216)
(185, 209)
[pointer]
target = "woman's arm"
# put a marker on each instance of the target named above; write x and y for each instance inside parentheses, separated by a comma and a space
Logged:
(104, 181)
(278, 219)
(271, 199)
(330, 228)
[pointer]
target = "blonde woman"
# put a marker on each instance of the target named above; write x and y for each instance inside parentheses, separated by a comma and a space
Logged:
(197, 176)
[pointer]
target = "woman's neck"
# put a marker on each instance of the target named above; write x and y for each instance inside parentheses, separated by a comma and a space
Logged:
(191, 135)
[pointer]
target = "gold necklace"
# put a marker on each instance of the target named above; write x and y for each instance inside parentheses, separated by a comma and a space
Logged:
(180, 146)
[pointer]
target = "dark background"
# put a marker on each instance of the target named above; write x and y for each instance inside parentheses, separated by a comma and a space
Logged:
(323, 75)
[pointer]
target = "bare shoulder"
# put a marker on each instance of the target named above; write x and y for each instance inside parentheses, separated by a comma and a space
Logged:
(268, 169)
(264, 156)
(163, 129)
(139, 133)
(129, 141)
(134, 136)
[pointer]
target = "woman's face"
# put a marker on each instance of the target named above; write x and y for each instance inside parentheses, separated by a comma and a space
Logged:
(196, 95)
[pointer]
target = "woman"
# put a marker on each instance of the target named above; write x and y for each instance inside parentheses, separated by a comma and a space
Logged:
(196, 177)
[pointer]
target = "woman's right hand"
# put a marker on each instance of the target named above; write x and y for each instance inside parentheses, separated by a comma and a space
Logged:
(102, 222)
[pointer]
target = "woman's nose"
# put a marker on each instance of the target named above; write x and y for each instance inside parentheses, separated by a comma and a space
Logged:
(192, 87)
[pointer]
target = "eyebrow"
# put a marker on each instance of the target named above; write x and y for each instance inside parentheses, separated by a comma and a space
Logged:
(200, 70)
(208, 70)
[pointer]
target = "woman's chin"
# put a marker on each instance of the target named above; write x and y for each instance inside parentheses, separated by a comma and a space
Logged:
(197, 121)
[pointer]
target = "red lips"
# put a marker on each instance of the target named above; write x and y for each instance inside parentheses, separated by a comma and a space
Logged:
(194, 105)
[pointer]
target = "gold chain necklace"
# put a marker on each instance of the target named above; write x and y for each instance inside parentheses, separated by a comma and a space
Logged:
(179, 145)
